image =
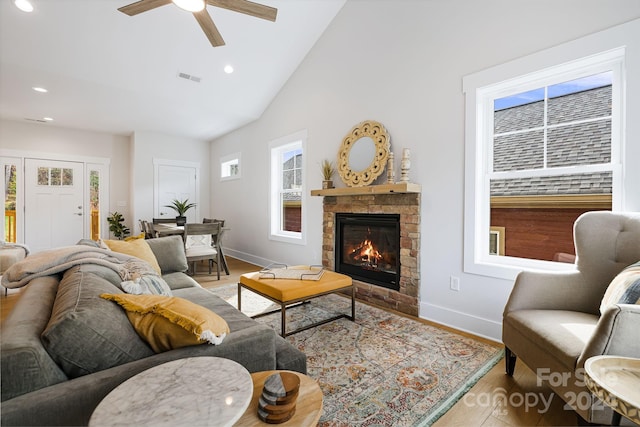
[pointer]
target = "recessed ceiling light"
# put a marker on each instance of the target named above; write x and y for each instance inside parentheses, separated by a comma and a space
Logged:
(47, 119)
(24, 5)
(190, 5)
(228, 69)
(40, 89)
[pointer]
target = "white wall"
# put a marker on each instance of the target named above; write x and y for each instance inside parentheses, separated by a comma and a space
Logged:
(131, 167)
(401, 63)
(48, 139)
(147, 146)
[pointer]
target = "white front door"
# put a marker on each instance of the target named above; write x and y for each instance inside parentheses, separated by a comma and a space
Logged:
(54, 214)
(176, 182)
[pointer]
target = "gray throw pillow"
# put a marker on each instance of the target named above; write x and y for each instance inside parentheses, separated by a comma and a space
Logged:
(169, 252)
(86, 333)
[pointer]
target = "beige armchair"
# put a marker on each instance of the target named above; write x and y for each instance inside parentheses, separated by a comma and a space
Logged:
(552, 320)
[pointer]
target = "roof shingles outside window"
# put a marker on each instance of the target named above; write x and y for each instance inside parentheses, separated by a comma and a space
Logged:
(576, 144)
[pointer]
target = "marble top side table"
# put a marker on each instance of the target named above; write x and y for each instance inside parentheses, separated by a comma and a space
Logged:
(191, 391)
(616, 381)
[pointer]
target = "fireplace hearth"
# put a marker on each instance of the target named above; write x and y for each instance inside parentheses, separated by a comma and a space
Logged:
(368, 248)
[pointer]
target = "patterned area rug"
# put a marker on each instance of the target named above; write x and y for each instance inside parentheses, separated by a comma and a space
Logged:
(381, 370)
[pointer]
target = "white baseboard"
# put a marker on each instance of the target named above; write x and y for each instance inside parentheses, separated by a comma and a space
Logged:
(465, 322)
(252, 259)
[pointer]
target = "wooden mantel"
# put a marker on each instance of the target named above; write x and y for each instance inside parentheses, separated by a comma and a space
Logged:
(401, 187)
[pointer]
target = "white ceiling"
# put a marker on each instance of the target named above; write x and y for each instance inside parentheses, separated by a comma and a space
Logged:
(109, 72)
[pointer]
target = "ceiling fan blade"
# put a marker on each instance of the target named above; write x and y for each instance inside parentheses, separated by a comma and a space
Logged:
(247, 7)
(142, 6)
(209, 28)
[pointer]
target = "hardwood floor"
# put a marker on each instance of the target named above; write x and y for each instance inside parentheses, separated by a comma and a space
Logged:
(496, 400)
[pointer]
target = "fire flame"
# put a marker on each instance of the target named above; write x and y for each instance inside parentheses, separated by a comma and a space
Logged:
(366, 253)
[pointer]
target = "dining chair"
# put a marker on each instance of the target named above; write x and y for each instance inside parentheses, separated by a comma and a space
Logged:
(217, 240)
(199, 244)
(149, 231)
(208, 220)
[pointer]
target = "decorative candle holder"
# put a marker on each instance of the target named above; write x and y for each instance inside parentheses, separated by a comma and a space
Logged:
(391, 173)
(405, 165)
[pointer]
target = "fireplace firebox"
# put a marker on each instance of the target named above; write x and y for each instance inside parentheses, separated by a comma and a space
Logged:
(367, 248)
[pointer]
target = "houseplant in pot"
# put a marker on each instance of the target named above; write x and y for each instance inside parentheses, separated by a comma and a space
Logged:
(328, 169)
(117, 226)
(181, 208)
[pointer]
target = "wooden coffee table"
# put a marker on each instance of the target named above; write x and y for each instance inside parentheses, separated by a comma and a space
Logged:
(308, 404)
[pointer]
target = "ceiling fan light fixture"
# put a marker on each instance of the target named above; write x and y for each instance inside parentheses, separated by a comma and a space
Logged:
(190, 5)
(24, 5)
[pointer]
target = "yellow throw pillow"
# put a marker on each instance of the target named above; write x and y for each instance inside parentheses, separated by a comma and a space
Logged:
(130, 238)
(166, 323)
(138, 248)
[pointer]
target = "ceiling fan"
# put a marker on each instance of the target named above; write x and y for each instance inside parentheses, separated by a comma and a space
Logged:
(199, 10)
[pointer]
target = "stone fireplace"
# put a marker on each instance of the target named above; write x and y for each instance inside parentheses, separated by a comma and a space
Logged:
(394, 200)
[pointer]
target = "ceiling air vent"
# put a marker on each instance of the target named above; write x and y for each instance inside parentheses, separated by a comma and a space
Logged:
(189, 77)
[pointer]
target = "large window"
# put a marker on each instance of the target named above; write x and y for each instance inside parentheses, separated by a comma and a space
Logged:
(287, 188)
(546, 146)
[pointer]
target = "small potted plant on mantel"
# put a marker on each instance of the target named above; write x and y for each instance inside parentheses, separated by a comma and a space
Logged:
(181, 208)
(327, 174)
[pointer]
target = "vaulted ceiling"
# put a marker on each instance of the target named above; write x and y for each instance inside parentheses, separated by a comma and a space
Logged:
(109, 72)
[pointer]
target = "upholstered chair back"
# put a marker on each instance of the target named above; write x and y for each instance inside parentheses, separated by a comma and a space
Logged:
(605, 244)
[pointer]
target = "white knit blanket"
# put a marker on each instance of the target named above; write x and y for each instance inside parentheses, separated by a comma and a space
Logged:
(57, 260)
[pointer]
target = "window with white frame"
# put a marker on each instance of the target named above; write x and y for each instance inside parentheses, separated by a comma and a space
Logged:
(544, 140)
(230, 167)
(287, 188)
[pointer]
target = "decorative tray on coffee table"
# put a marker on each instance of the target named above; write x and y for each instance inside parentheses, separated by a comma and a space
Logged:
(298, 272)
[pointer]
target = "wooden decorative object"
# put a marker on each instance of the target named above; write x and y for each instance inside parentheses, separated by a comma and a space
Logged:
(369, 143)
(391, 172)
(405, 165)
(277, 404)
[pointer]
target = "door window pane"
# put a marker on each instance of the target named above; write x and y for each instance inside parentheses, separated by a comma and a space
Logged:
(10, 203)
(94, 203)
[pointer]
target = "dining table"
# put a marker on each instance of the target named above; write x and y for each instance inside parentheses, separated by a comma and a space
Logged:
(171, 229)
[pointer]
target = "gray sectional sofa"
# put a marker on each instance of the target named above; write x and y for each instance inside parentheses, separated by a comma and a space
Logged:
(58, 375)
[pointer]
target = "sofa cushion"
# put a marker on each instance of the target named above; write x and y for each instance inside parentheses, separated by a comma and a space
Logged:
(169, 252)
(138, 248)
(624, 288)
(179, 281)
(171, 322)
(82, 322)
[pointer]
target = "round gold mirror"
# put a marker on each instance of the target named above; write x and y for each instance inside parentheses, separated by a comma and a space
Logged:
(363, 154)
